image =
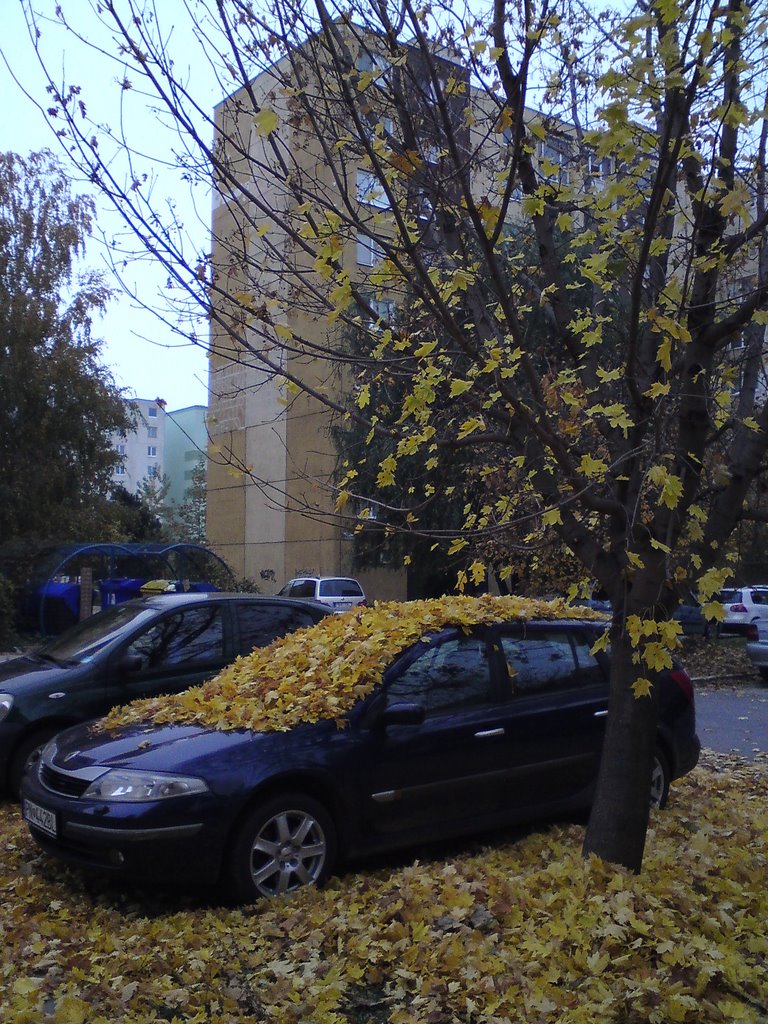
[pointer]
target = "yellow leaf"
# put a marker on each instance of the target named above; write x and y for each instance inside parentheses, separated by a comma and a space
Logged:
(642, 688)
(458, 387)
(266, 121)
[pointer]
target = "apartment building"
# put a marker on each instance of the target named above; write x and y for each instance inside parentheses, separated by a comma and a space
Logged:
(167, 444)
(271, 500)
(142, 450)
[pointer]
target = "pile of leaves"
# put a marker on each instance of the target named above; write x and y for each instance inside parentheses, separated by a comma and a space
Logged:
(713, 660)
(522, 929)
(318, 673)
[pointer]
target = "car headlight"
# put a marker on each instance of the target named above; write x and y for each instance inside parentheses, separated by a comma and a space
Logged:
(123, 784)
(6, 703)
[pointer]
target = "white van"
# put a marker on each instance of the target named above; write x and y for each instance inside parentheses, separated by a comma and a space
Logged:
(337, 592)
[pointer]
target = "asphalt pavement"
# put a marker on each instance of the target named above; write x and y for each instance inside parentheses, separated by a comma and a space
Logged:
(733, 719)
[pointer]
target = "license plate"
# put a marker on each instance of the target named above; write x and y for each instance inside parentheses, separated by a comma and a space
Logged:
(40, 817)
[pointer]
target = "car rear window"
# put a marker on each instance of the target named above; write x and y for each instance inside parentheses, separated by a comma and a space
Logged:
(729, 596)
(340, 588)
(260, 623)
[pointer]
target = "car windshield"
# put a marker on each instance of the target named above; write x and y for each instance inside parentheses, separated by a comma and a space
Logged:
(81, 643)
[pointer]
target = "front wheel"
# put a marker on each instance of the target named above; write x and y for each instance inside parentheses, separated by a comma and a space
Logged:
(286, 843)
(660, 779)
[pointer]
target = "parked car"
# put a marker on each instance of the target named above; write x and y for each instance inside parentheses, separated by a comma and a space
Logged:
(338, 592)
(143, 647)
(744, 606)
(467, 728)
(757, 652)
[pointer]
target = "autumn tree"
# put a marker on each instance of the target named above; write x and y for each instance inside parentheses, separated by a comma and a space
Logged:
(630, 143)
(58, 401)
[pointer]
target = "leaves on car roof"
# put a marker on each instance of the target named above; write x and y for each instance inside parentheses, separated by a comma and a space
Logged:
(318, 673)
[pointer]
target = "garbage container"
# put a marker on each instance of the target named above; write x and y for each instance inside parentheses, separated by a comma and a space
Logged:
(59, 605)
(118, 590)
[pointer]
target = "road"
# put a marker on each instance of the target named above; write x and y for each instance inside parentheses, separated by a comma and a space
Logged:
(733, 719)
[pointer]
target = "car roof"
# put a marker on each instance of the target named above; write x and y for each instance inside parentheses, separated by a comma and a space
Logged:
(174, 600)
(295, 579)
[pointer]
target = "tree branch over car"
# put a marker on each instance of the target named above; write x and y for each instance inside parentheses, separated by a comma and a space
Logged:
(377, 154)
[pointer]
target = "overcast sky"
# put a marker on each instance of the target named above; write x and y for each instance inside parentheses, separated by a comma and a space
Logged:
(143, 354)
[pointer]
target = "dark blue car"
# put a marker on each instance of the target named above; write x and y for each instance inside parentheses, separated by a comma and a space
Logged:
(478, 727)
(144, 647)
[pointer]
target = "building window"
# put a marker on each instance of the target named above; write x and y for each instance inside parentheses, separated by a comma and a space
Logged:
(152, 411)
(369, 252)
(151, 431)
(152, 472)
(599, 169)
(380, 314)
(370, 190)
(554, 157)
(120, 449)
(120, 470)
(152, 451)
(375, 65)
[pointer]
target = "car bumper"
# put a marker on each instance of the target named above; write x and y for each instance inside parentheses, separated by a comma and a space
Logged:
(146, 842)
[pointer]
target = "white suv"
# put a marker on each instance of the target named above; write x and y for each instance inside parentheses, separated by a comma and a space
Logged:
(743, 606)
(338, 592)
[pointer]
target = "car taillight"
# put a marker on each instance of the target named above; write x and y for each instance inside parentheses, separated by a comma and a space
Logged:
(683, 680)
(738, 608)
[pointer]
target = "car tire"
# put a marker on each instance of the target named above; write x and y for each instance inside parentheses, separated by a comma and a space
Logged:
(660, 780)
(26, 754)
(763, 674)
(284, 844)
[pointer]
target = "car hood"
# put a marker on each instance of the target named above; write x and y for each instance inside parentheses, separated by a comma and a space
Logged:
(29, 673)
(154, 748)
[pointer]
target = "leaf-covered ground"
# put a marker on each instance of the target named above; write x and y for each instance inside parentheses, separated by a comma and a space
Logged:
(514, 929)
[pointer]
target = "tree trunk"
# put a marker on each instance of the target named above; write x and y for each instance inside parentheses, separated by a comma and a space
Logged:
(619, 819)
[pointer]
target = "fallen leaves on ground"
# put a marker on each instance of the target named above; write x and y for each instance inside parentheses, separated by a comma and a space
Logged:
(318, 673)
(511, 931)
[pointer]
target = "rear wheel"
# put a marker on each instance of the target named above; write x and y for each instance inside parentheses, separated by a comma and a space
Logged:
(26, 756)
(660, 779)
(764, 674)
(286, 843)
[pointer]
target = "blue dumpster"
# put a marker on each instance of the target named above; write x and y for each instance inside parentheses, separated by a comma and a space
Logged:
(118, 590)
(59, 606)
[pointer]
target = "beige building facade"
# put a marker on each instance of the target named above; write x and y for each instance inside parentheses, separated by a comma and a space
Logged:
(271, 496)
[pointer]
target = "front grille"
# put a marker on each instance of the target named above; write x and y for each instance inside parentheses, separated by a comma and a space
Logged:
(62, 782)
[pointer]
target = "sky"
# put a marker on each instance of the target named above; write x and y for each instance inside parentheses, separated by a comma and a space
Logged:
(146, 358)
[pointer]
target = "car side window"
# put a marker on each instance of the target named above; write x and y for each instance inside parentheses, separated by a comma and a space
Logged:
(305, 588)
(192, 636)
(445, 677)
(261, 623)
(540, 661)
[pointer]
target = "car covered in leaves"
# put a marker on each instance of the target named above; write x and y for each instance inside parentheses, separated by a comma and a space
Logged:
(139, 648)
(376, 729)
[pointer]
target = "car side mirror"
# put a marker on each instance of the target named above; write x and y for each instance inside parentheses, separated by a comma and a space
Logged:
(130, 663)
(401, 714)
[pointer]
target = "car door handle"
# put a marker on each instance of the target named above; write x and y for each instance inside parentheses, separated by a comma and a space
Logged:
(601, 714)
(485, 734)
